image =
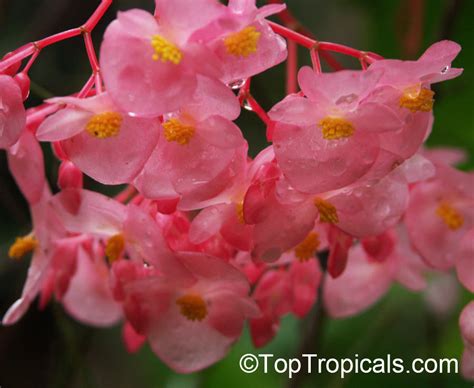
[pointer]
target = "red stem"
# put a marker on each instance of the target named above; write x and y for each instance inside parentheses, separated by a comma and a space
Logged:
(32, 48)
(292, 68)
(322, 46)
(315, 60)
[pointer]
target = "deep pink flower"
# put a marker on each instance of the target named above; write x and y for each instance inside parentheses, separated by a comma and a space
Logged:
(190, 323)
(103, 142)
(12, 112)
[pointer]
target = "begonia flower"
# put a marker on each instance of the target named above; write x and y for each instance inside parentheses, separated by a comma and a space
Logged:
(103, 142)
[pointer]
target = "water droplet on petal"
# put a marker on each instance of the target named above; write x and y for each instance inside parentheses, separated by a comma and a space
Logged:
(237, 84)
(445, 69)
(246, 105)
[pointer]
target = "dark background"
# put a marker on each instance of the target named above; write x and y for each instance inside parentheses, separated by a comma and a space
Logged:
(48, 349)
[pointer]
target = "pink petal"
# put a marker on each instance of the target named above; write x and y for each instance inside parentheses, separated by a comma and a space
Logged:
(271, 50)
(137, 83)
(361, 285)
(63, 124)
(117, 159)
(213, 98)
(465, 261)
(89, 297)
(95, 213)
(12, 112)
(343, 88)
(186, 346)
(313, 164)
(25, 160)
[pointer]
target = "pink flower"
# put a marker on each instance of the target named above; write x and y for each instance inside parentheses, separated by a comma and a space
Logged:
(12, 112)
(413, 78)
(246, 44)
(372, 206)
(190, 323)
(466, 322)
(439, 214)
(371, 269)
(150, 64)
(332, 136)
(46, 240)
(281, 290)
(103, 142)
(200, 152)
(280, 217)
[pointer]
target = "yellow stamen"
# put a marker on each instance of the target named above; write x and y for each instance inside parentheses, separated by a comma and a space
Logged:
(22, 246)
(104, 125)
(165, 51)
(175, 130)
(307, 249)
(335, 128)
(192, 306)
(327, 211)
(239, 208)
(114, 247)
(451, 217)
(417, 100)
(242, 43)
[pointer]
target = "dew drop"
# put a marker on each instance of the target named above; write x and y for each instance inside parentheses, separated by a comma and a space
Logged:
(237, 84)
(444, 70)
(246, 105)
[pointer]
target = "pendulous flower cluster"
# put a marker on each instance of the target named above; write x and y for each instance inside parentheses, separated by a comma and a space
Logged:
(204, 238)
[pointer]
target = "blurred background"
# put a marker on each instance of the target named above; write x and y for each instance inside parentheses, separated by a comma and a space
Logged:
(48, 349)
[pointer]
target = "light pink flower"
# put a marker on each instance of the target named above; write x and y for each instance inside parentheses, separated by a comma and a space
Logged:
(331, 137)
(439, 214)
(150, 64)
(189, 324)
(200, 153)
(12, 112)
(371, 269)
(103, 142)
(246, 44)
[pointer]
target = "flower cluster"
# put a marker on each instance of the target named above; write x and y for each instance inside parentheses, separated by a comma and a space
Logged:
(204, 239)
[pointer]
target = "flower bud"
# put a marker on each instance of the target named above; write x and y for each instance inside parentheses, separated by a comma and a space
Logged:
(69, 176)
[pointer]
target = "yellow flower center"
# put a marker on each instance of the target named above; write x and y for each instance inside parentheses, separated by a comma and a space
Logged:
(22, 246)
(417, 100)
(335, 128)
(327, 211)
(104, 125)
(114, 247)
(175, 130)
(165, 51)
(450, 216)
(307, 249)
(239, 208)
(242, 43)
(192, 306)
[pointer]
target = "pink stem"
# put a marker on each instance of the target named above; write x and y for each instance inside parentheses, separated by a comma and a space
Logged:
(87, 87)
(314, 53)
(292, 68)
